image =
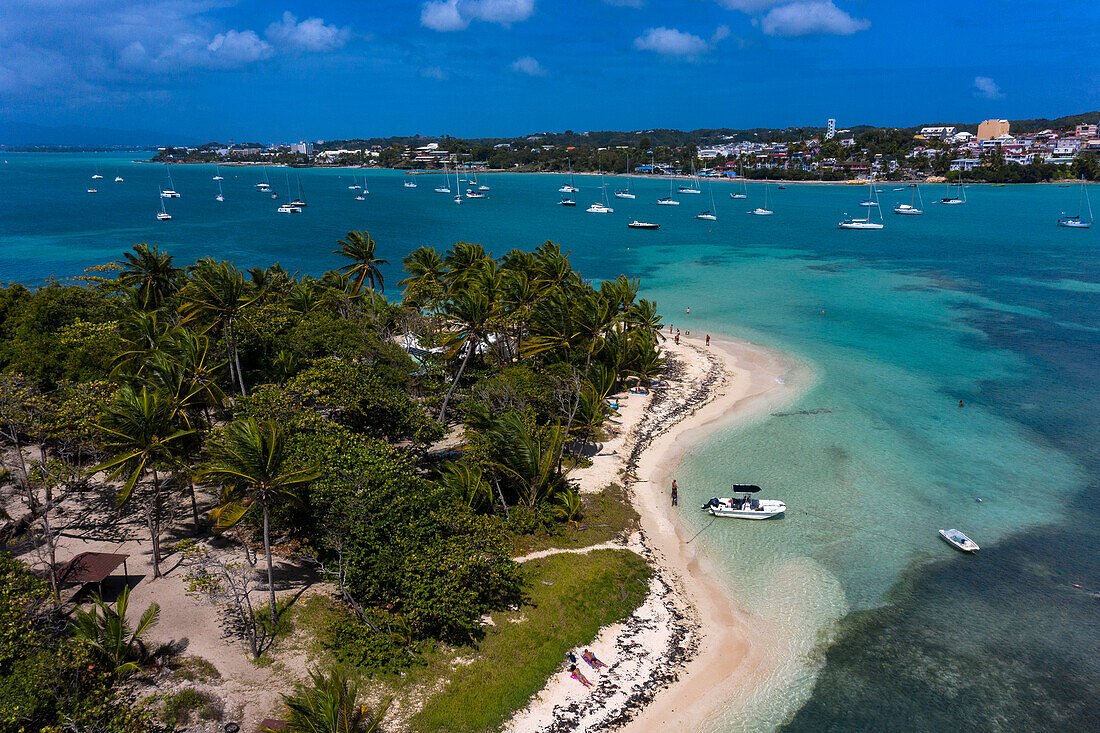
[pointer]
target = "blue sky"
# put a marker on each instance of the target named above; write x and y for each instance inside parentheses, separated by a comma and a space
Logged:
(282, 70)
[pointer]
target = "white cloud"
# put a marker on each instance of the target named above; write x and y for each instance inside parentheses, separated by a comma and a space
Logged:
(671, 42)
(443, 15)
(310, 35)
(528, 65)
(237, 48)
(721, 33)
(434, 72)
(816, 17)
(987, 88)
(750, 6)
(456, 15)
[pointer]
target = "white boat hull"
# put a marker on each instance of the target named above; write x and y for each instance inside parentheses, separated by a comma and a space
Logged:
(667, 202)
(1074, 223)
(624, 195)
(688, 190)
(907, 211)
(761, 212)
(738, 196)
(763, 509)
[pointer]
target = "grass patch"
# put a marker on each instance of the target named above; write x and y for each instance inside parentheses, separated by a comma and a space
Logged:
(570, 598)
(195, 669)
(179, 707)
(605, 516)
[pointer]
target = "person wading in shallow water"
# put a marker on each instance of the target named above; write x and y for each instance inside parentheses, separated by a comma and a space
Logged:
(675, 493)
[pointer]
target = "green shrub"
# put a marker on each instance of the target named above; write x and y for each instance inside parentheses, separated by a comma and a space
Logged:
(179, 707)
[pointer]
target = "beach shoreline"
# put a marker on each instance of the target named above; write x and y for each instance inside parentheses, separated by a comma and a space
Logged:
(687, 641)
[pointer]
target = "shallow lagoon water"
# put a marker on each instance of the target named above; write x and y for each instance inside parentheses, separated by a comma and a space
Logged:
(988, 303)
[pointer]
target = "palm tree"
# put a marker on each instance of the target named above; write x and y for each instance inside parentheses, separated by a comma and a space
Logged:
(106, 630)
(248, 463)
(141, 436)
(359, 248)
(330, 704)
(151, 272)
(462, 260)
(469, 313)
(425, 280)
(216, 295)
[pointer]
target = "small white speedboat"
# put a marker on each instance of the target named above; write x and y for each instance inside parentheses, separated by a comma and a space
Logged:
(744, 507)
(410, 184)
(567, 202)
(472, 193)
(957, 539)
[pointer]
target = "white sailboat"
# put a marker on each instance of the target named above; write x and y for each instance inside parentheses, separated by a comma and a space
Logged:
(911, 208)
(217, 174)
(958, 198)
(409, 182)
(96, 176)
(569, 187)
(444, 187)
(1079, 222)
(265, 184)
(601, 208)
(694, 187)
(763, 210)
(163, 214)
(708, 214)
(626, 193)
(170, 192)
(298, 201)
(744, 192)
(482, 186)
(668, 200)
(458, 188)
(854, 223)
(220, 196)
(118, 177)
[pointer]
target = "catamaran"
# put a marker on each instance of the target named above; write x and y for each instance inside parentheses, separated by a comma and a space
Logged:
(163, 214)
(853, 223)
(288, 209)
(958, 198)
(694, 187)
(626, 193)
(744, 507)
(170, 192)
(1078, 222)
(444, 187)
(569, 187)
(911, 208)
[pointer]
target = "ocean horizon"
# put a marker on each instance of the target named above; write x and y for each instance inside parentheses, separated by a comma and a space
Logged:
(954, 385)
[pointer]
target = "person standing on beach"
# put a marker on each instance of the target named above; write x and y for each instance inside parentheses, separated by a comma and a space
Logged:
(675, 493)
(708, 339)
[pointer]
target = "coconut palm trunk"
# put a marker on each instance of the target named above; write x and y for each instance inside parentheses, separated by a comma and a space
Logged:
(270, 573)
(454, 384)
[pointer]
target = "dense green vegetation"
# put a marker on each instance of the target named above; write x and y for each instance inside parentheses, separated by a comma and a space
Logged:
(286, 409)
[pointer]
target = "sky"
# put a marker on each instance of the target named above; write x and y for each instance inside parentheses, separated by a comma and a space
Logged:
(281, 70)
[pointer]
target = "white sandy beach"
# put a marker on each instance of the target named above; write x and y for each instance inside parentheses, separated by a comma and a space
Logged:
(676, 659)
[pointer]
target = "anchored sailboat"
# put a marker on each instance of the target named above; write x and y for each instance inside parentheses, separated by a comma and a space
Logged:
(853, 223)
(694, 187)
(569, 187)
(1079, 222)
(911, 208)
(744, 193)
(170, 192)
(626, 193)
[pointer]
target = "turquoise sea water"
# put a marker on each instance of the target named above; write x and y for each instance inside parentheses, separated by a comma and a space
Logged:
(877, 624)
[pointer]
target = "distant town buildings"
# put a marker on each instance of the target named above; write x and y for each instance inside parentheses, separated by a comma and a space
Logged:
(940, 132)
(830, 129)
(992, 128)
